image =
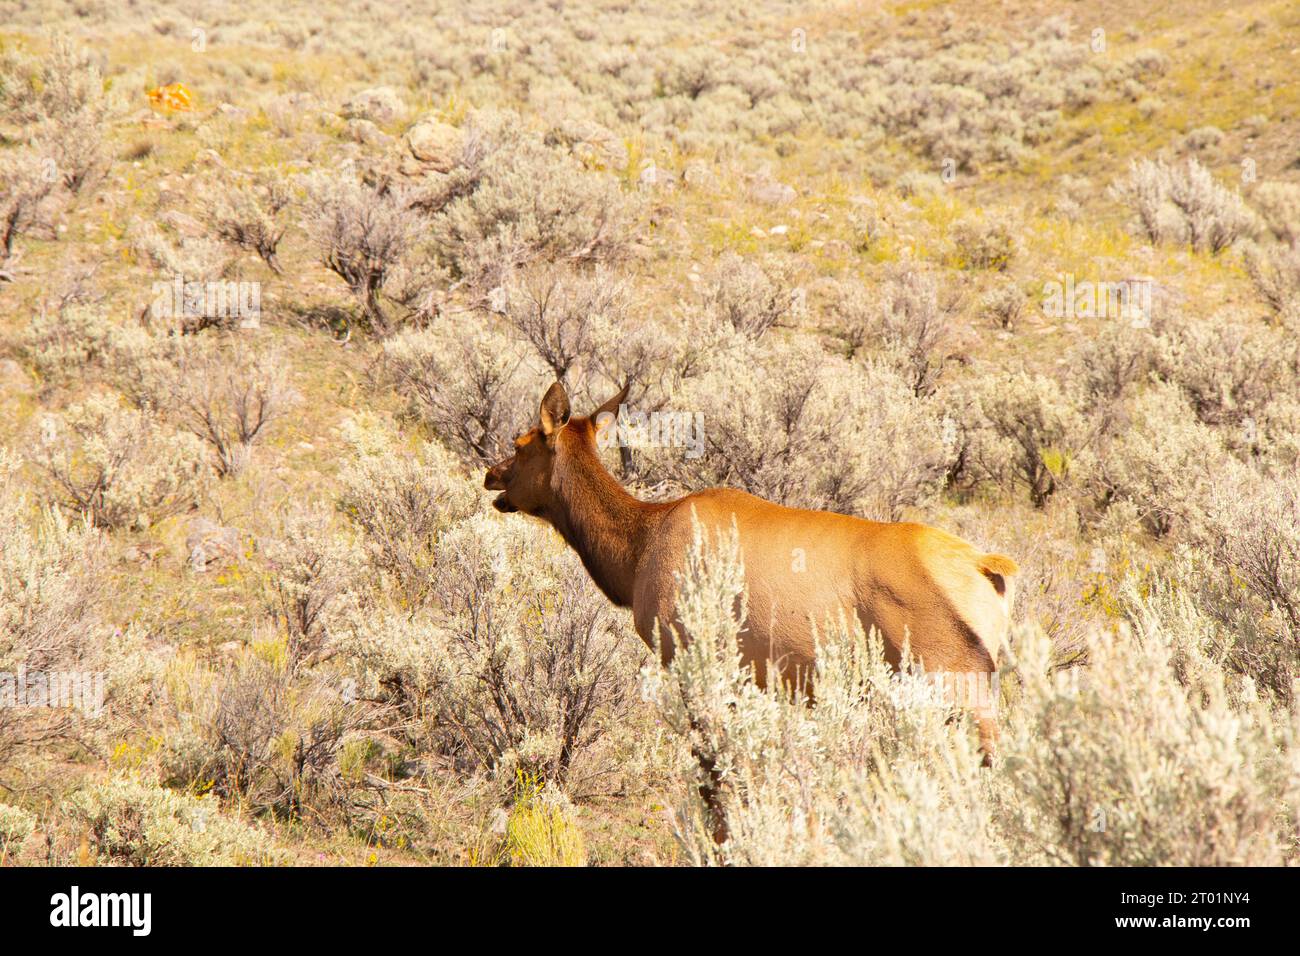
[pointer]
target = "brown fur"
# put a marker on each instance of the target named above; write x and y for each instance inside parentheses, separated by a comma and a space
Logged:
(949, 601)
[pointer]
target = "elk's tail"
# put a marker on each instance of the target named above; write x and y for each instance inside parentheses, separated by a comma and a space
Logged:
(999, 569)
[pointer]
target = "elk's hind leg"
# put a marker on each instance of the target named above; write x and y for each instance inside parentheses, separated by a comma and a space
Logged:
(988, 727)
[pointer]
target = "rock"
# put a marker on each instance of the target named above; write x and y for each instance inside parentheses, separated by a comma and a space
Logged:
(697, 175)
(435, 144)
(655, 177)
(299, 101)
(346, 156)
(230, 648)
(366, 132)
(143, 553)
(592, 144)
(183, 224)
(210, 546)
(772, 193)
(209, 157)
(169, 198)
(380, 104)
(12, 376)
(408, 167)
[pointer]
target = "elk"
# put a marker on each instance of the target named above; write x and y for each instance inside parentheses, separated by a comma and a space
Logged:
(947, 601)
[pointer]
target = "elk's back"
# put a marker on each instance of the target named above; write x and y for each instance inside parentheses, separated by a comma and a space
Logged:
(948, 600)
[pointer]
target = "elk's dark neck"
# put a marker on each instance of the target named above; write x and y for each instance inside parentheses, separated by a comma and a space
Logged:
(602, 522)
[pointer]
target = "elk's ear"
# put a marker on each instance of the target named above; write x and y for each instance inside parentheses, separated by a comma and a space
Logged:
(555, 409)
(609, 411)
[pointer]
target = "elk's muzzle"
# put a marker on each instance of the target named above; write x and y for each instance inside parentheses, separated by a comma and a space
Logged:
(495, 480)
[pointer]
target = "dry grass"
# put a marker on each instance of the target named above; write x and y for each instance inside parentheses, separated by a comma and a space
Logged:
(826, 231)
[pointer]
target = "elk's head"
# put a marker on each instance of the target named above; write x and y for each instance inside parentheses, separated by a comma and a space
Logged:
(525, 478)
